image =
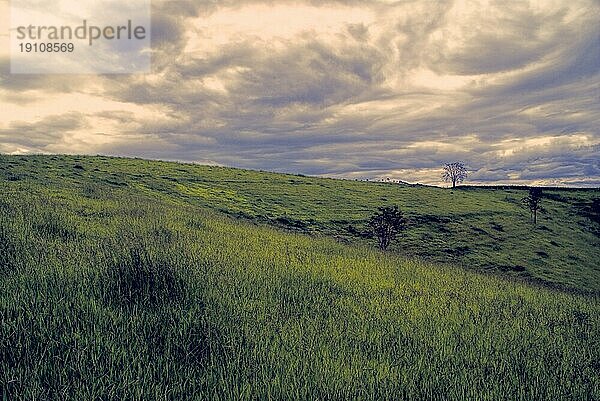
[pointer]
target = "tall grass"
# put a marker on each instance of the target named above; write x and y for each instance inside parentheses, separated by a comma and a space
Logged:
(484, 229)
(125, 296)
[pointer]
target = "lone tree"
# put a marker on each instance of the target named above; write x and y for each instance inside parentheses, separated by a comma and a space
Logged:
(455, 172)
(532, 200)
(386, 224)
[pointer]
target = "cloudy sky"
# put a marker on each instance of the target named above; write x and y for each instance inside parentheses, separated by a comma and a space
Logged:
(352, 89)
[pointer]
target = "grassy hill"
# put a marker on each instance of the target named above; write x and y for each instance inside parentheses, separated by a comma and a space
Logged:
(487, 229)
(119, 279)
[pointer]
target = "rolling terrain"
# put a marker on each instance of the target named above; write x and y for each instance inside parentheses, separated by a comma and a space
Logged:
(133, 279)
(486, 229)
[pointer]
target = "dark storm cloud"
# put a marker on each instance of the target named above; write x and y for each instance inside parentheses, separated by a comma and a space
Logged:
(39, 135)
(16, 84)
(512, 38)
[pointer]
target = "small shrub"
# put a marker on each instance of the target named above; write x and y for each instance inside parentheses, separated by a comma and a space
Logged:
(386, 224)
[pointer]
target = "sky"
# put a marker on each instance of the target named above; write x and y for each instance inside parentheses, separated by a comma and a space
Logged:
(348, 89)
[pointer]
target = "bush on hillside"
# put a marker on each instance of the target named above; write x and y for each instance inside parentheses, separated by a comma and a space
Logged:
(386, 224)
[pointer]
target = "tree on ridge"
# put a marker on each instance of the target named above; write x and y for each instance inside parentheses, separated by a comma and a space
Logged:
(455, 172)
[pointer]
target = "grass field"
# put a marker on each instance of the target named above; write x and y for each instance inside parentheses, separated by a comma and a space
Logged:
(120, 279)
(478, 228)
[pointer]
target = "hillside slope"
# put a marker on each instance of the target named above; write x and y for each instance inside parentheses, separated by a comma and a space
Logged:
(112, 291)
(479, 228)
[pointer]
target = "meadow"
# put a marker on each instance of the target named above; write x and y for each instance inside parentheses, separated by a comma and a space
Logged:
(123, 279)
(483, 229)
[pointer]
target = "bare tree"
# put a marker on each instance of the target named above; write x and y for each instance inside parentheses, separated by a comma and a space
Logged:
(455, 172)
(532, 200)
(386, 224)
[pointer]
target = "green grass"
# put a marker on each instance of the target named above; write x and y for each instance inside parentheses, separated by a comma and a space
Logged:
(486, 229)
(129, 289)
